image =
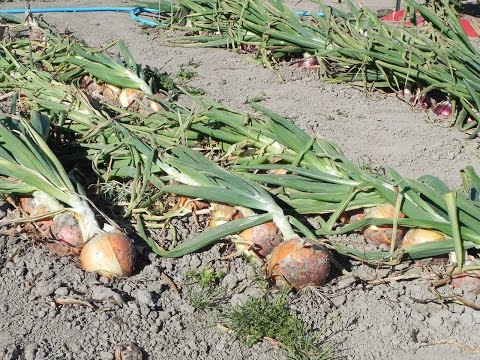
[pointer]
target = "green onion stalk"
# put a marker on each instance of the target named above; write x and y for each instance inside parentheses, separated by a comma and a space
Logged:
(318, 180)
(354, 47)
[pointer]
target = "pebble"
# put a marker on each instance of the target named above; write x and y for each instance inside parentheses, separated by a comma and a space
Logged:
(346, 282)
(29, 353)
(45, 290)
(229, 281)
(106, 355)
(339, 300)
(435, 321)
(102, 293)
(163, 315)
(143, 297)
(62, 291)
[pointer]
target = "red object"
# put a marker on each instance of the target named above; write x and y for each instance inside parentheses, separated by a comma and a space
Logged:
(464, 21)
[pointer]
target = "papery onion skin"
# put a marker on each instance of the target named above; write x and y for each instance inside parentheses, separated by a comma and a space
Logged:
(223, 213)
(443, 109)
(468, 282)
(110, 254)
(261, 239)
(382, 234)
(420, 236)
(128, 96)
(351, 216)
(296, 264)
(111, 92)
(192, 204)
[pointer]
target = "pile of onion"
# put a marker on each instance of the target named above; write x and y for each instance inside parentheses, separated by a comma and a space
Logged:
(128, 98)
(382, 234)
(107, 252)
(297, 263)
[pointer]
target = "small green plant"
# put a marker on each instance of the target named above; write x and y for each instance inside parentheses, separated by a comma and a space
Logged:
(269, 317)
(258, 98)
(206, 290)
(206, 277)
(187, 71)
(203, 298)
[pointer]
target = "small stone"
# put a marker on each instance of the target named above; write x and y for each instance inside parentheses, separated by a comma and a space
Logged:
(435, 321)
(45, 290)
(230, 281)
(339, 300)
(346, 282)
(106, 355)
(102, 293)
(29, 352)
(61, 291)
(164, 315)
(187, 308)
(143, 297)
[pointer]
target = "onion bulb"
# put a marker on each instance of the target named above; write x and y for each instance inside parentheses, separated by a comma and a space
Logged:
(296, 263)
(109, 254)
(255, 242)
(260, 239)
(221, 214)
(443, 109)
(308, 62)
(420, 236)
(128, 96)
(111, 92)
(191, 204)
(351, 216)
(382, 234)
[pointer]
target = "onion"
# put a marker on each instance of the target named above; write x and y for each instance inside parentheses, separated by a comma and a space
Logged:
(420, 236)
(443, 109)
(89, 85)
(260, 239)
(382, 234)
(223, 213)
(109, 254)
(128, 96)
(351, 216)
(255, 242)
(296, 263)
(422, 101)
(192, 204)
(308, 62)
(111, 92)
(248, 48)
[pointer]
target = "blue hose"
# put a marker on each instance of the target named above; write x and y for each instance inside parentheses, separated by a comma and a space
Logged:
(134, 12)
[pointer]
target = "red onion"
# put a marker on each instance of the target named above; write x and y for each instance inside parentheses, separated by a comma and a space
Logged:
(443, 108)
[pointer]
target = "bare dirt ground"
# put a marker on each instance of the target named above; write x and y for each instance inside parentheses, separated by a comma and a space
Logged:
(398, 320)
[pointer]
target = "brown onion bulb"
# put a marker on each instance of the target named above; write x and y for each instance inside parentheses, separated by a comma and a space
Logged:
(109, 254)
(191, 204)
(111, 92)
(351, 216)
(223, 213)
(296, 263)
(420, 236)
(260, 239)
(27, 204)
(128, 96)
(382, 234)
